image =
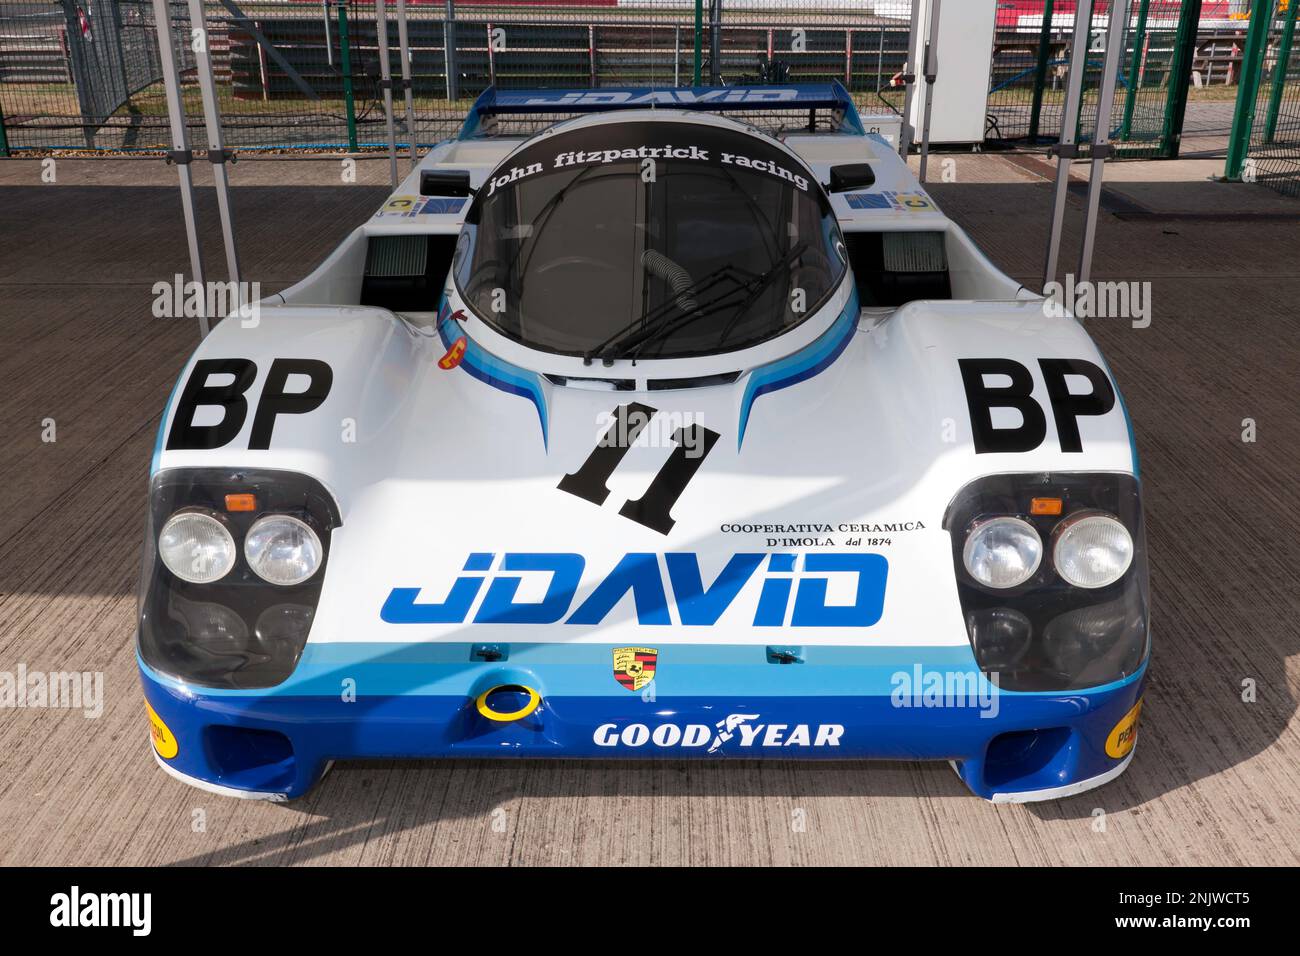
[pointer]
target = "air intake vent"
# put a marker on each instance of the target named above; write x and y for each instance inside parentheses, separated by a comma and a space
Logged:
(392, 256)
(914, 252)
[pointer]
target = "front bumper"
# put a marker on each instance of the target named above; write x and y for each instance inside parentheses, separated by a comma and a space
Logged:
(362, 701)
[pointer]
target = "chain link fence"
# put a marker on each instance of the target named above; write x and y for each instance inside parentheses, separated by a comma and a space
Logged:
(305, 74)
(83, 74)
(1273, 157)
(1031, 56)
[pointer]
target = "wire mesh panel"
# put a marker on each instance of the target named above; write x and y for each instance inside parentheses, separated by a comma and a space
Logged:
(69, 68)
(305, 74)
(1274, 155)
(1030, 68)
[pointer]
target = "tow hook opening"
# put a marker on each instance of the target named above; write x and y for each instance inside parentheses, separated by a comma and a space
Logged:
(508, 702)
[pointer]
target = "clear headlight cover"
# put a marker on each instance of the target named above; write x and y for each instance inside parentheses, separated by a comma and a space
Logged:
(196, 547)
(1002, 552)
(282, 549)
(1092, 550)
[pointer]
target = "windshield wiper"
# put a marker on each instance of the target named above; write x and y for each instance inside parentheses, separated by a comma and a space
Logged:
(650, 320)
(755, 288)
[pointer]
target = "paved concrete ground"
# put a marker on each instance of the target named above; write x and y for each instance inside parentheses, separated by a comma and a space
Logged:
(1216, 779)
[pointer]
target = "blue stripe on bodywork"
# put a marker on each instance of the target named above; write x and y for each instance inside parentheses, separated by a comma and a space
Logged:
(811, 360)
(490, 370)
(586, 670)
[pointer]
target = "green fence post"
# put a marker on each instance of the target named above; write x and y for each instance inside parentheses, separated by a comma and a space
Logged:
(345, 61)
(1280, 70)
(699, 41)
(1180, 80)
(1040, 71)
(1252, 63)
(1135, 69)
(4, 135)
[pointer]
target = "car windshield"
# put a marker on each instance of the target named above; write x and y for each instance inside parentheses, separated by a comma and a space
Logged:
(648, 239)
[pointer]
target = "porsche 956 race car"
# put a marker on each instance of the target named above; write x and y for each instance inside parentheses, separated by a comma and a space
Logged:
(648, 423)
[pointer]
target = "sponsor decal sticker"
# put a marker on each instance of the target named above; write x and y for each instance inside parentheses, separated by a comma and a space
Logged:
(1124, 736)
(634, 667)
(744, 729)
(407, 207)
(890, 200)
(454, 354)
(164, 741)
(795, 590)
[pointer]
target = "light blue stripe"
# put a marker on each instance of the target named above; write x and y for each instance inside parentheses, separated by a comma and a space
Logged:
(809, 361)
(586, 670)
(495, 371)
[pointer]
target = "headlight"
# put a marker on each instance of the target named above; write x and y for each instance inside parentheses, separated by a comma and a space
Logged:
(214, 628)
(1002, 552)
(196, 547)
(1000, 636)
(1092, 550)
(282, 549)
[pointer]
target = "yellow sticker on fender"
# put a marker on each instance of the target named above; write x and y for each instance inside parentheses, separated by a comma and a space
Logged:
(164, 741)
(1124, 736)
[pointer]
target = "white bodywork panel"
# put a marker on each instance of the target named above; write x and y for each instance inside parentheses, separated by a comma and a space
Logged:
(430, 464)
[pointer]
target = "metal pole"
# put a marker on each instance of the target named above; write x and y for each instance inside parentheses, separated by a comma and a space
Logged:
(1135, 70)
(217, 154)
(449, 51)
(715, 42)
(386, 82)
(4, 137)
(699, 40)
(909, 80)
(1280, 69)
(404, 49)
(1180, 78)
(345, 61)
(931, 74)
(1040, 70)
(1066, 150)
(329, 45)
(180, 148)
(1252, 62)
(880, 58)
(1101, 138)
(677, 56)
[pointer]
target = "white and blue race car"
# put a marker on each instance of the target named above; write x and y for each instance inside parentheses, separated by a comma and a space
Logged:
(633, 427)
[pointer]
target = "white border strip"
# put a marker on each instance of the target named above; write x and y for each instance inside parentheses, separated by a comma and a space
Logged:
(268, 795)
(1069, 790)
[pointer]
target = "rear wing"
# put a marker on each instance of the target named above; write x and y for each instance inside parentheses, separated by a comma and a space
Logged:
(810, 107)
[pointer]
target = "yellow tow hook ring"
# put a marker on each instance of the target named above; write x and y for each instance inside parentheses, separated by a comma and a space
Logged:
(534, 699)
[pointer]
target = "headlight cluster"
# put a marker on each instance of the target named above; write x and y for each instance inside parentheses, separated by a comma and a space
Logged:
(198, 547)
(1051, 574)
(1089, 550)
(233, 575)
